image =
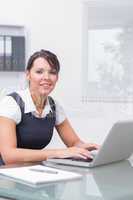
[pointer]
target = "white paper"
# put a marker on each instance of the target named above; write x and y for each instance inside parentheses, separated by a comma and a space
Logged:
(25, 174)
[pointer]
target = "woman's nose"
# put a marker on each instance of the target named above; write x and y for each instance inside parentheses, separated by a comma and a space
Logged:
(46, 75)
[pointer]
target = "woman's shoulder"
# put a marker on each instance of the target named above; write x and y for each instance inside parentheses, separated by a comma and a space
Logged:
(60, 113)
(9, 108)
(7, 99)
(56, 102)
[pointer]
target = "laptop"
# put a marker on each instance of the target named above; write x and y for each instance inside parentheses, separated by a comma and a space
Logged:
(118, 145)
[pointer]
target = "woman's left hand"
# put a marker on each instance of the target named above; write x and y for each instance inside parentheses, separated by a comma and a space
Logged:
(88, 146)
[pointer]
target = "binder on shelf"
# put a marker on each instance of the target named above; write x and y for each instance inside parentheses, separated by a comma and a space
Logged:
(8, 53)
(2, 56)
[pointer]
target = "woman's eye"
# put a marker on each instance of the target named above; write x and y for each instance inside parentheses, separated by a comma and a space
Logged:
(53, 72)
(39, 72)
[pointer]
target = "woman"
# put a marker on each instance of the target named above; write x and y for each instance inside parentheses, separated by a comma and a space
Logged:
(27, 118)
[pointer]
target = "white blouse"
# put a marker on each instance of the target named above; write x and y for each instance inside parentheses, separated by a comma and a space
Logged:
(10, 109)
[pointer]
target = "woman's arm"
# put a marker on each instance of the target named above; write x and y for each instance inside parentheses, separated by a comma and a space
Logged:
(70, 138)
(8, 145)
(67, 134)
(11, 154)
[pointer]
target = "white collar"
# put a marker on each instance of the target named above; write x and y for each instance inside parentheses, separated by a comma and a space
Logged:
(29, 104)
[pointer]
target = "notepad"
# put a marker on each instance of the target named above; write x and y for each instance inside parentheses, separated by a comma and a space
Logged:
(38, 174)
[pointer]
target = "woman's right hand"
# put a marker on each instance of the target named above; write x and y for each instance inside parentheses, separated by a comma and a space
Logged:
(75, 152)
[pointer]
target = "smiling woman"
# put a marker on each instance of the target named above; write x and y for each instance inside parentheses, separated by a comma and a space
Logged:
(42, 77)
(28, 117)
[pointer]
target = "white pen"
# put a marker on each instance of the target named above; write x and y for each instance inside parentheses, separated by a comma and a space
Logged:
(44, 170)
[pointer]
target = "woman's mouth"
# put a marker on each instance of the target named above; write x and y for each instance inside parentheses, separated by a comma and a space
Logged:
(45, 85)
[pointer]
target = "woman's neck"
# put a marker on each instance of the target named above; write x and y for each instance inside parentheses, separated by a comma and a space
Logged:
(39, 100)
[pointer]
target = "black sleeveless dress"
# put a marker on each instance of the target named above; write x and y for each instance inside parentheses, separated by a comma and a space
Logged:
(33, 132)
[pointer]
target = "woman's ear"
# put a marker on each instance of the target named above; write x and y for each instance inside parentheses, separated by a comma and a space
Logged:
(57, 77)
(27, 75)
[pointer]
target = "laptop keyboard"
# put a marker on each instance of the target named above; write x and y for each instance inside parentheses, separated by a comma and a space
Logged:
(81, 159)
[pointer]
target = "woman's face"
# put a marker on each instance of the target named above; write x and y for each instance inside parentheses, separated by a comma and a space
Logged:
(42, 77)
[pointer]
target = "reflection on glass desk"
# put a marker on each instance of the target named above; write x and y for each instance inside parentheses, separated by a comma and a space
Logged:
(114, 181)
(109, 182)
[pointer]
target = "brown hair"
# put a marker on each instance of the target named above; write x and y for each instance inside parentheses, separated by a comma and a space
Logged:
(50, 57)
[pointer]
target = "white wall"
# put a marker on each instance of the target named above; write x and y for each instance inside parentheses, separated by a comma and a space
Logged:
(56, 25)
(53, 25)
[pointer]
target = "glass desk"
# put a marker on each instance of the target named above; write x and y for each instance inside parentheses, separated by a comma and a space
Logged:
(109, 182)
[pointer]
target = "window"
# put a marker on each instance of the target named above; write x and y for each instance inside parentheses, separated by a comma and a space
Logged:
(12, 48)
(107, 51)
